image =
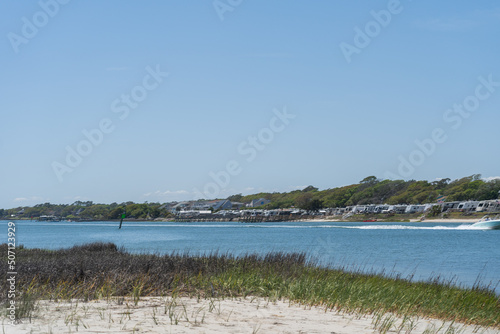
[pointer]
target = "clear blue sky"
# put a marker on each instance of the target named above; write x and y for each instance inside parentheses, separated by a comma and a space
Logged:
(360, 81)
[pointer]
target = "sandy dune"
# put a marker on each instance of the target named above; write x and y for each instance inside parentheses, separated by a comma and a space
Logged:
(185, 315)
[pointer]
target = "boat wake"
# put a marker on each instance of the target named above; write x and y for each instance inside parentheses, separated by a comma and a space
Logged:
(406, 227)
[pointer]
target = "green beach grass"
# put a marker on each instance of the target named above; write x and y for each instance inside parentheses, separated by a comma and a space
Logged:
(101, 270)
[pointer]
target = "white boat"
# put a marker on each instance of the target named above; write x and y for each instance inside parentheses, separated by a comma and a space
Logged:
(488, 223)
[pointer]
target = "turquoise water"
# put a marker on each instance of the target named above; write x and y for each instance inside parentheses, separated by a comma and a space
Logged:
(424, 250)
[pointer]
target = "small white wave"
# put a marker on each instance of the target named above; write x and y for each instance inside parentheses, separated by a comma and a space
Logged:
(407, 227)
(280, 226)
(470, 227)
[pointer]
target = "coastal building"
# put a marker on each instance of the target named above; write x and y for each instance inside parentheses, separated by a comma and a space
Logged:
(168, 206)
(223, 205)
(348, 209)
(237, 205)
(50, 218)
(182, 206)
(488, 206)
(415, 208)
(258, 202)
(370, 208)
(381, 208)
(450, 206)
(468, 206)
(337, 211)
(357, 209)
(360, 209)
(400, 209)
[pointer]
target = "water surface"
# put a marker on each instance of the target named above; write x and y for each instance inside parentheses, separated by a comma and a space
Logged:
(423, 250)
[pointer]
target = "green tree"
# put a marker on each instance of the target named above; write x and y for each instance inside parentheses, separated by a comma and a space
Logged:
(314, 205)
(235, 198)
(435, 210)
(309, 189)
(371, 180)
(116, 213)
(441, 184)
(303, 200)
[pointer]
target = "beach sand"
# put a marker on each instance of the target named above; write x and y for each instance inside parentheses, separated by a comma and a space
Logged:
(188, 315)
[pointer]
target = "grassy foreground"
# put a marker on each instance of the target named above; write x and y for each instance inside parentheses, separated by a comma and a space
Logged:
(102, 270)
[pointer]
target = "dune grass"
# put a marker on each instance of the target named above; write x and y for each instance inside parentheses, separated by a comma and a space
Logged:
(101, 270)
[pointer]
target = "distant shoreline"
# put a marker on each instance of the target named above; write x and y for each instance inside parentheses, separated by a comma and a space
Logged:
(325, 220)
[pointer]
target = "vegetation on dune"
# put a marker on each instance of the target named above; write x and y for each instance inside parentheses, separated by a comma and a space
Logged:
(374, 191)
(102, 270)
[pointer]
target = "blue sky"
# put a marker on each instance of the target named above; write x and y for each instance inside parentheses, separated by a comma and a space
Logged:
(259, 96)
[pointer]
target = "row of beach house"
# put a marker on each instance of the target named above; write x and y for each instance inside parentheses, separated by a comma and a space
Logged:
(213, 205)
(467, 206)
(206, 207)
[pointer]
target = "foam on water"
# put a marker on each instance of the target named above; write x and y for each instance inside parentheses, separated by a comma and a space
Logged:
(407, 227)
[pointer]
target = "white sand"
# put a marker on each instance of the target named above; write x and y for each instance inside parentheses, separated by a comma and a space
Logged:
(185, 315)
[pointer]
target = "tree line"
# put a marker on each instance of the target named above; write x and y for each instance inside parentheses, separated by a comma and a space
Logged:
(89, 210)
(375, 191)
